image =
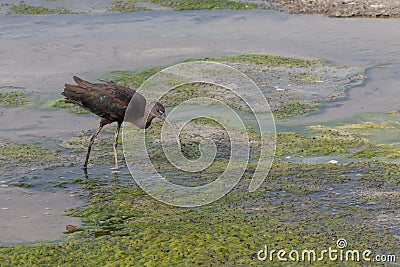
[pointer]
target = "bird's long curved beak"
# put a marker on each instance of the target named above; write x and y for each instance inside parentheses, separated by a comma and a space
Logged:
(164, 118)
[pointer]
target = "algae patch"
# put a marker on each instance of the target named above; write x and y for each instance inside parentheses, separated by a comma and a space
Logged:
(292, 86)
(263, 59)
(26, 154)
(23, 8)
(71, 107)
(134, 5)
(133, 78)
(207, 4)
(126, 6)
(29, 165)
(13, 99)
(300, 206)
(124, 226)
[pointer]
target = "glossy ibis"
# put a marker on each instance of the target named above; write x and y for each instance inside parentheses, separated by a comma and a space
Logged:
(110, 101)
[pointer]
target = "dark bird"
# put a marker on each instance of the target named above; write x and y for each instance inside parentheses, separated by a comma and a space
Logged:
(110, 101)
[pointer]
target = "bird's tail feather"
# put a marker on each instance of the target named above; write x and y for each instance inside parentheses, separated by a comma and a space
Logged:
(82, 83)
(77, 92)
(73, 91)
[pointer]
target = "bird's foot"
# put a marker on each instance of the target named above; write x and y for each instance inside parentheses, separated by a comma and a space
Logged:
(85, 172)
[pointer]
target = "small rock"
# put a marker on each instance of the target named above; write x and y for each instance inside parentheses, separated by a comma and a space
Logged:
(70, 229)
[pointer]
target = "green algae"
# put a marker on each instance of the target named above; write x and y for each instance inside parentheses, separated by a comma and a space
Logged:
(264, 59)
(20, 162)
(79, 110)
(190, 91)
(292, 86)
(334, 140)
(60, 103)
(323, 144)
(124, 226)
(13, 99)
(294, 109)
(126, 6)
(133, 78)
(366, 125)
(23, 8)
(207, 4)
(26, 154)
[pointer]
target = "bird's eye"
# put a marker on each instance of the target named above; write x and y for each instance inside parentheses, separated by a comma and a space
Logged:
(161, 112)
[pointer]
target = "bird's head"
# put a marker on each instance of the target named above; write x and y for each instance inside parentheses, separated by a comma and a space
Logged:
(158, 111)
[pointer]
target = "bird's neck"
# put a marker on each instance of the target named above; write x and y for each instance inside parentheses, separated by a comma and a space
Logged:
(145, 121)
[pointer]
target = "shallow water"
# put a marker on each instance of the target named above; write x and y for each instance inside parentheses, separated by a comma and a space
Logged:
(41, 53)
(379, 93)
(26, 216)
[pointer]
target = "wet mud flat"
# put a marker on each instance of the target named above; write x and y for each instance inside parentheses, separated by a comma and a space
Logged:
(329, 181)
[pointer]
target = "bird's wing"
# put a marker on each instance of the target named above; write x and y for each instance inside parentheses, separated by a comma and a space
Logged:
(107, 99)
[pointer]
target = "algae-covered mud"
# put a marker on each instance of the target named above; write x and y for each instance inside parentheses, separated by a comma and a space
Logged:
(329, 181)
(37, 7)
(304, 206)
(291, 86)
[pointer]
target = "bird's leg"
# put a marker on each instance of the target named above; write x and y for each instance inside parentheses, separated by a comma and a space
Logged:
(115, 146)
(90, 145)
(86, 173)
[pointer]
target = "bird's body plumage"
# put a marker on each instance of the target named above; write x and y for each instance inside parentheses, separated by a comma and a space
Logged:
(108, 100)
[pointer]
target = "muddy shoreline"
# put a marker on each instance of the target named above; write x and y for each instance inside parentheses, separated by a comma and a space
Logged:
(346, 9)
